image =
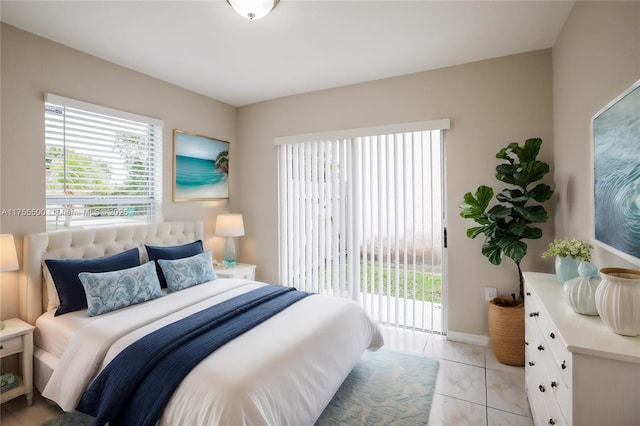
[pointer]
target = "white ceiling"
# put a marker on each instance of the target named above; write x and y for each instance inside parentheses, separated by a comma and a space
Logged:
(301, 46)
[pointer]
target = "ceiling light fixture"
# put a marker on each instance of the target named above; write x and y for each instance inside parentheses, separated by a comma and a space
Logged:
(253, 9)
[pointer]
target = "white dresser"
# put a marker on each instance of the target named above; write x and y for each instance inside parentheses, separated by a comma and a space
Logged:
(578, 372)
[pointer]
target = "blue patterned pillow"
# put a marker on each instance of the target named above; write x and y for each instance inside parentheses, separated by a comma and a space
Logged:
(187, 272)
(108, 291)
(170, 253)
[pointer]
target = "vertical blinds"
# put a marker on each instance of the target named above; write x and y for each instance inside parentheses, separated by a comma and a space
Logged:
(361, 217)
(102, 165)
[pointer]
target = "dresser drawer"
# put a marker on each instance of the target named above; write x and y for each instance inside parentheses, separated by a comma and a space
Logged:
(544, 406)
(249, 274)
(550, 341)
(241, 271)
(555, 344)
(548, 383)
(10, 346)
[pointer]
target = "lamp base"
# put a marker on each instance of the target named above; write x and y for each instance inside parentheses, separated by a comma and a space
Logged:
(228, 263)
(229, 254)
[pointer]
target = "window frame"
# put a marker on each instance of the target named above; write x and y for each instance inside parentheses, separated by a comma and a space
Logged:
(93, 132)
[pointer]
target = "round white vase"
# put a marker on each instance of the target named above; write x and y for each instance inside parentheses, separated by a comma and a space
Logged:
(618, 300)
(580, 294)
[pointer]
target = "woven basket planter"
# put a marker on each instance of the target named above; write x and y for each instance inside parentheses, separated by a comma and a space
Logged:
(506, 330)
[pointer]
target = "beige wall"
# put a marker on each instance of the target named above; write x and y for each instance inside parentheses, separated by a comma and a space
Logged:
(490, 104)
(32, 66)
(595, 58)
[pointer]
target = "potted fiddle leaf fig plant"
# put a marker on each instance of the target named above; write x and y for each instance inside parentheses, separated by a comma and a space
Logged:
(505, 225)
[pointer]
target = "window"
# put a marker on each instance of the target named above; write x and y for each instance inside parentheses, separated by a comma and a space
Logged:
(102, 165)
(360, 216)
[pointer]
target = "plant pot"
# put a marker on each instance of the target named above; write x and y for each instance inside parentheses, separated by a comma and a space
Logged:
(506, 331)
(618, 300)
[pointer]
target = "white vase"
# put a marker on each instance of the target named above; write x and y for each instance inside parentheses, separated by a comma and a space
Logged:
(618, 300)
(580, 294)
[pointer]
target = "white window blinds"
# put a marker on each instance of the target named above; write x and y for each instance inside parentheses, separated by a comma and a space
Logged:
(102, 165)
(361, 217)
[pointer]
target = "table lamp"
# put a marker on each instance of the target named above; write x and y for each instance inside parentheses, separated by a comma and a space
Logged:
(229, 225)
(8, 257)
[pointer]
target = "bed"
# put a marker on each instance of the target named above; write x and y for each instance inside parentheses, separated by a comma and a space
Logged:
(284, 370)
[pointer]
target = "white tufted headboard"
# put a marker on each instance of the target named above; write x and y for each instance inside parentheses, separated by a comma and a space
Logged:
(92, 242)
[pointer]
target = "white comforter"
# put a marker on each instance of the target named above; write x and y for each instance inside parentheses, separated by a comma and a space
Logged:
(284, 371)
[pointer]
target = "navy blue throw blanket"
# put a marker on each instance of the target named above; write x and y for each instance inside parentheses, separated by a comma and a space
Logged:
(134, 388)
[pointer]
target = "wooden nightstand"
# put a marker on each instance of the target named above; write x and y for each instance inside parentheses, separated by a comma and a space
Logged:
(15, 338)
(241, 271)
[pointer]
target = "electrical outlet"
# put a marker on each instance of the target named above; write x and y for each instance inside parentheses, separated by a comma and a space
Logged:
(490, 293)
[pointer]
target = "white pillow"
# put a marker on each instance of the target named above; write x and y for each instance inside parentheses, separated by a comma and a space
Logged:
(53, 301)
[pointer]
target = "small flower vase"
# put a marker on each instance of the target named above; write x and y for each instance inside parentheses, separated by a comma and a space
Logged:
(566, 268)
(618, 300)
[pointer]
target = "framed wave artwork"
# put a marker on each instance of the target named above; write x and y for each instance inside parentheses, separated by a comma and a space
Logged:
(201, 167)
(616, 167)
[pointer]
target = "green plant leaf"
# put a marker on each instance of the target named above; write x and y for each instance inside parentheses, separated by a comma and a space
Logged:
(541, 193)
(492, 251)
(505, 152)
(517, 228)
(533, 171)
(498, 212)
(532, 233)
(514, 249)
(477, 230)
(507, 173)
(474, 207)
(532, 213)
(512, 196)
(530, 150)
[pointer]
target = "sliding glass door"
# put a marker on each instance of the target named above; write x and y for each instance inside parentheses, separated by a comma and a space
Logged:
(361, 216)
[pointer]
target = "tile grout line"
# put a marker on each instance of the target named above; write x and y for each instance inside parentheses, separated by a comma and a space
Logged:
(486, 391)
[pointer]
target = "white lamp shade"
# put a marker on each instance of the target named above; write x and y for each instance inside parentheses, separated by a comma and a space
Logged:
(253, 9)
(229, 225)
(8, 256)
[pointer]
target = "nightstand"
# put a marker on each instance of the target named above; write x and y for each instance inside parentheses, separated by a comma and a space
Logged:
(16, 338)
(240, 271)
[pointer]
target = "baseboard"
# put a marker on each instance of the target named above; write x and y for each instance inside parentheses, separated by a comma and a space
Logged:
(471, 339)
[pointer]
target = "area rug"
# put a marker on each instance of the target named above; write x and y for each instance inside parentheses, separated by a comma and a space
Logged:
(384, 388)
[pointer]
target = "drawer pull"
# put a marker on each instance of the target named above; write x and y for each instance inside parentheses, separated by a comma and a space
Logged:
(1, 347)
(526, 343)
(541, 388)
(554, 384)
(540, 348)
(534, 314)
(528, 293)
(564, 365)
(552, 422)
(552, 335)
(531, 363)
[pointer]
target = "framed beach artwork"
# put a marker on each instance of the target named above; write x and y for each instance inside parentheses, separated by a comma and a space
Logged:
(200, 167)
(616, 173)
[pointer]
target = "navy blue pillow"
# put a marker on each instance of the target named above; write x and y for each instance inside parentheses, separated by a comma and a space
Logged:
(172, 253)
(65, 276)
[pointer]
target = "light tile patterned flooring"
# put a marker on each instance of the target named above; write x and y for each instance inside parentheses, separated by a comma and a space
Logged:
(472, 388)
